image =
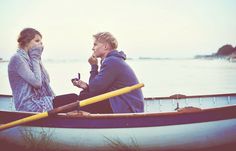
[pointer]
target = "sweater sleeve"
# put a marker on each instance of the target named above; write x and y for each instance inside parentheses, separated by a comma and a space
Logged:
(93, 72)
(33, 77)
(105, 77)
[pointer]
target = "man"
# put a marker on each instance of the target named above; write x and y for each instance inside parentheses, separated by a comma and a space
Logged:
(114, 74)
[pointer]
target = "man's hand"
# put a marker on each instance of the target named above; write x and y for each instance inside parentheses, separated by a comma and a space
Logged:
(80, 84)
(93, 60)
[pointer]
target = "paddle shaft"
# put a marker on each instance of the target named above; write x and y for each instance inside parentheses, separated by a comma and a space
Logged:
(71, 106)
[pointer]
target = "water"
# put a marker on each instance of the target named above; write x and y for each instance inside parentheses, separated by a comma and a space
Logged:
(161, 77)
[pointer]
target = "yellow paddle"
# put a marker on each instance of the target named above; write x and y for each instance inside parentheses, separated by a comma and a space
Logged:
(71, 106)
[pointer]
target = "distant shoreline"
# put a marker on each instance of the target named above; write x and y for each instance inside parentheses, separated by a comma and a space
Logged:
(197, 57)
(3, 60)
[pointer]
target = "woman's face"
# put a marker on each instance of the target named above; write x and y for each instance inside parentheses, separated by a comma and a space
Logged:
(35, 42)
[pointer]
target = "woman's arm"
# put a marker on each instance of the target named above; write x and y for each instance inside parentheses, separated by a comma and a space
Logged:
(33, 76)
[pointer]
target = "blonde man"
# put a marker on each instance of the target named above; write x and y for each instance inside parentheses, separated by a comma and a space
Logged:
(114, 74)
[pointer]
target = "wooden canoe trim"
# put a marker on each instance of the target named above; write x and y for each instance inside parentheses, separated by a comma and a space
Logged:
(126, 120)
(178, 96)
(65, 115)
(175, 96)
(189, 109)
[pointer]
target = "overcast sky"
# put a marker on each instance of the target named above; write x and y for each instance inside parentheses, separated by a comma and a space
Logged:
(148, 28)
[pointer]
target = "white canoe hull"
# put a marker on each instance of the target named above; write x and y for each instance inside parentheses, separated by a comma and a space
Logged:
(207, 128)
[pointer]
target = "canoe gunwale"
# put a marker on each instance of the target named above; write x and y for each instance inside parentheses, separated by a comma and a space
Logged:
(174, 96)
(130, 120)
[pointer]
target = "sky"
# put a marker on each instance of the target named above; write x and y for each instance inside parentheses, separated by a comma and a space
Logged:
(143, 28)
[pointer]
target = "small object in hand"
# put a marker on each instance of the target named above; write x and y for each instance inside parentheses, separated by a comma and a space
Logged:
(74, 79)
(77, 79)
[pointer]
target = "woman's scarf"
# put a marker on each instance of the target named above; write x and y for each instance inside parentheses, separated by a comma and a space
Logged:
(45, 89)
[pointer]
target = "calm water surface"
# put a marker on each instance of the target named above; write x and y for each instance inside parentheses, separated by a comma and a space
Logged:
(161, 77)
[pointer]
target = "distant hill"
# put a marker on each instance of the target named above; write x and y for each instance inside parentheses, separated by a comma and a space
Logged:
(227, 51)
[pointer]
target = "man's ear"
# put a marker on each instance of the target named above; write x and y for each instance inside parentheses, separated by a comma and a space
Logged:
(107, 46)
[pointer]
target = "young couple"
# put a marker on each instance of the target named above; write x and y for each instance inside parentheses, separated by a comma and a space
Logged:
(30, 81)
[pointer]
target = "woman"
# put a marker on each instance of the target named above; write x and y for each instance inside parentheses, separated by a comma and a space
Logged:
(28, 78)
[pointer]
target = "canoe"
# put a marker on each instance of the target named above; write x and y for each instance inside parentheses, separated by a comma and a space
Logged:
(177, 122)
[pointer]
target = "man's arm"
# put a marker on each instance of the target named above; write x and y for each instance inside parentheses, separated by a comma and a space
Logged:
(104, 79)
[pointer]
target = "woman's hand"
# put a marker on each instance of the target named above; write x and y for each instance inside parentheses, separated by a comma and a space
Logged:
(36, 52)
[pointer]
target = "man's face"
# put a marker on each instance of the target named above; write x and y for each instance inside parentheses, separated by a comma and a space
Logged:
(99, 49)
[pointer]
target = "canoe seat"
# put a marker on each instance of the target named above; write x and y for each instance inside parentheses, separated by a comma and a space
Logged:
(77, 113)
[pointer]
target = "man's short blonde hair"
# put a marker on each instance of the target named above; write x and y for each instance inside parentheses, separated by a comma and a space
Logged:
(108, 38)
